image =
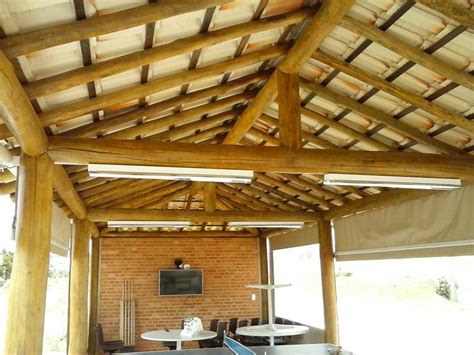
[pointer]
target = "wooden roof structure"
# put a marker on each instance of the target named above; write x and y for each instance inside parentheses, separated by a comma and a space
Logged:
(289, 89)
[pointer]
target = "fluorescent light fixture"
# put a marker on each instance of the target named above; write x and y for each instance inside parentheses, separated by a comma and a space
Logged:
(403, 182)
(171, 173)
(292, 225)
(148, 224)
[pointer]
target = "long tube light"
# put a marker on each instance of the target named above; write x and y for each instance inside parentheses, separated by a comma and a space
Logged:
(148, 224)
(292, 225)
(171, 173)
(403, 182)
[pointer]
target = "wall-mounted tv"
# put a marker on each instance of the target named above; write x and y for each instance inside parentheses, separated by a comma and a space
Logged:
(180, 282)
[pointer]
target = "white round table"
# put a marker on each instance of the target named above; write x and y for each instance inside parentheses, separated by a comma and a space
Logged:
(175, 335)
(272, 331)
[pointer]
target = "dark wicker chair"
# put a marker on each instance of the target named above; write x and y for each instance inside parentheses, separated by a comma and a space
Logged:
(110, 346)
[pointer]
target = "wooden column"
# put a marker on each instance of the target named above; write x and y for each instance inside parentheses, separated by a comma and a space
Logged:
(289, 116)
(264, 277)
(27, 296)
(78, 291)
(94, 294)
(210, 197)
(328, 282)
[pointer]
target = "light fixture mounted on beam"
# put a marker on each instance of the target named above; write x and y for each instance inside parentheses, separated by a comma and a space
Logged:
(402, 182)
(171, 173)
(290, 225)
(148, 224)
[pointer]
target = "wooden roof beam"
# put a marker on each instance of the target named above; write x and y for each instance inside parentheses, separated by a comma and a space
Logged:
(379, 116)
(154, 127)
(85, 151)
(320, 25)
(33, 41)
(289, 116)
(231, 192)
(21, 119)
(102, 215)
(181, 46)
(310, 138)
(405, 50)
(180, 234)
(451, 9)
(397, 91)
(80, 108)
(151, 111)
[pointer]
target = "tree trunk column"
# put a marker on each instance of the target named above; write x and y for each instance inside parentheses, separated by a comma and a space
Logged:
(27, 296)
(78, 291)
(264, 277)
(94, 294)
(328, 283)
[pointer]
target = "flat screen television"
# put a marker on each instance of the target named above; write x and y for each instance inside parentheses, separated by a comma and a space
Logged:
(180, 282)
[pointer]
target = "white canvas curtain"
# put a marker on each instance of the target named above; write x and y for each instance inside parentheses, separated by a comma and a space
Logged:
(60, 232)
(296, 238)
(438, 225)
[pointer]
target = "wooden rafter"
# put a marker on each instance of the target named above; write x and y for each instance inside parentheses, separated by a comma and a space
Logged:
(392, 89)
(320, 25)
(28, 42)
(416, 55)
(379, 116)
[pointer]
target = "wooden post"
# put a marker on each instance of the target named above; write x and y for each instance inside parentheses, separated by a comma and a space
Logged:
(27, 296)
(264, 277)
(79, 284)
(209, 197)
(94, 294)
(289, 116)
(328, 282)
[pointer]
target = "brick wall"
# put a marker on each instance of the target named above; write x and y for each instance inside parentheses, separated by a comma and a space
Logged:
(229, 264)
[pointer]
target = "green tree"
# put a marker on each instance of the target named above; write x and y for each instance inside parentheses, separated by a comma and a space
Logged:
(6, 262)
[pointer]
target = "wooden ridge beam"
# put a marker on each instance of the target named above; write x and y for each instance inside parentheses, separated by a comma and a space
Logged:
(320, 25)
(33, 41)
(451, 9)
(379, 116)
(85, 151)
(181, 234)
(181, 46)
(80, 108)
(405, 50)
(397, 91)
(112, 214)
